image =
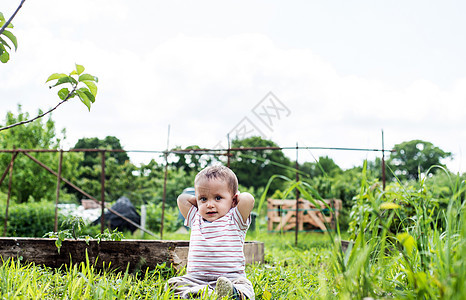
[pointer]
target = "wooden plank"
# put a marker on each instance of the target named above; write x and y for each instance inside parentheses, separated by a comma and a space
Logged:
(254, 252)
(137, 254)
(281, 214)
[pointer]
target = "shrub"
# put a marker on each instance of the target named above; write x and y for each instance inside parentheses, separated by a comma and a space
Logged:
(31, 219)
(154, 217)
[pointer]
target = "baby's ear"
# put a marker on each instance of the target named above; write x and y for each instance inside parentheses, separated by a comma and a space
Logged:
(235, 199)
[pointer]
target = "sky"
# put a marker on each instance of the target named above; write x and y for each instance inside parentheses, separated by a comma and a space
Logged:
(307, 73)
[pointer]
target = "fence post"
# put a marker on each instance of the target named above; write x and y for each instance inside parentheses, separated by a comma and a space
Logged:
(165, 185)
(297, 198)
(5, 225)
(143, 219)
(383, 163)
(55, 227)
(164, 195)
(102, 193)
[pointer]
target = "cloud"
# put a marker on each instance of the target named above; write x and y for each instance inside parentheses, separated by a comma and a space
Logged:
(203, 84)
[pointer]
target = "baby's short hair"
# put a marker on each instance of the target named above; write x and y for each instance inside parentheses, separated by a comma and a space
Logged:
(219, 172)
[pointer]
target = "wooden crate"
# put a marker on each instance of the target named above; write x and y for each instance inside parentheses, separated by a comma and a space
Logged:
(281, 214)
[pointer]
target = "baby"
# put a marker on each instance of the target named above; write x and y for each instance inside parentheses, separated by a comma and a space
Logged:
(219, 217)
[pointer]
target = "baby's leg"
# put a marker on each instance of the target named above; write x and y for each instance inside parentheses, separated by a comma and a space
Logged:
(186, 286)
(244, 286)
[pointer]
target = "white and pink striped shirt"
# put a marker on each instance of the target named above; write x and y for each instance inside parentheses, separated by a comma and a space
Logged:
(216, 248)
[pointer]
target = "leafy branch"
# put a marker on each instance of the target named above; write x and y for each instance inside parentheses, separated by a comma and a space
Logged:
(4, 55)
(84, 86)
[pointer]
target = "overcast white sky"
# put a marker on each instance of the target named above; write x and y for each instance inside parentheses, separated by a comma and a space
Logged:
(341, 72)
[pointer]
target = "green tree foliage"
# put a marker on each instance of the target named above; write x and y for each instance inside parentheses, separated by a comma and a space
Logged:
(343, 185)
(413, 157)
(255, 167)
(323, 166)
(190, 161)
(118, 169)
(109, 142)
(31, 181)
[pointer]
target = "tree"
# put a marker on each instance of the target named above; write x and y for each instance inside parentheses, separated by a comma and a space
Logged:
(109, 142)
(118, 170)
(190, 161)
(414, 157)
(254, 168)
(30, 181)
(325, 165)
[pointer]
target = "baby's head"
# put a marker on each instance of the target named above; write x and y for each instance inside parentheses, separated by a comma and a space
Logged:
(216, 188)
(219, 172)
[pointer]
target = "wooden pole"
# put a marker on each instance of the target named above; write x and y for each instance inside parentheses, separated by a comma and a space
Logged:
(164, 185)
(228, 151)
(55, 226)
(297, 199)
(102, 193)
(383, 163)
(5, 225)
(9, 166)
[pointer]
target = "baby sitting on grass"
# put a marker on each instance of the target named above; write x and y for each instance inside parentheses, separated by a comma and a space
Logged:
(219, 217)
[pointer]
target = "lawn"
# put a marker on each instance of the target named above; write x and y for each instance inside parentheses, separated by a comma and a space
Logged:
(406, 244)
(288, 272)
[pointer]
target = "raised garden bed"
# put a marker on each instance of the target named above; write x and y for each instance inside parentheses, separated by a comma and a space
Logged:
(134, 254)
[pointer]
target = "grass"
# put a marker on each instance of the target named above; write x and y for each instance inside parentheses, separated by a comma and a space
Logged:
(281, 277)
(394, 255)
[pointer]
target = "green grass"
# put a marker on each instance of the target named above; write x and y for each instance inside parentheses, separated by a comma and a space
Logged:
(404, 247)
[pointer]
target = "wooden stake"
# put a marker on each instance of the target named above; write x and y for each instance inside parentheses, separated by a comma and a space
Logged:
(55, 226)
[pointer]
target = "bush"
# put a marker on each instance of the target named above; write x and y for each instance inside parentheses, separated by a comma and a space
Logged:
(32, 219)
(154, 217)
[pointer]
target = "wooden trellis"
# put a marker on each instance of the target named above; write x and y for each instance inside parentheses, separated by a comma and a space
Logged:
(281, 214)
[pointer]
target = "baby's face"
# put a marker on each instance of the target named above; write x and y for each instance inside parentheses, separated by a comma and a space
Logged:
(214, 199)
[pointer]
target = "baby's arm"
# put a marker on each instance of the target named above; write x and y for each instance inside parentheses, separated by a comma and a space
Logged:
(245, 204)
(185, 202)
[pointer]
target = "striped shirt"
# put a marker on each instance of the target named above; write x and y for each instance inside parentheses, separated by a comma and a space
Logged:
(216, 248)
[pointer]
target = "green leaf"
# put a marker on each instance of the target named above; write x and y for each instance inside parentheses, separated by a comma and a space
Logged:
(92, 86)
(67, 79)
(56, 76)
(12, 38)
(4, 43)
(4, 57)
(89, 95)
(84, 99)
(87, 77)
(79, 69)
(63, 93)
(3, 21)
(58, 244)
(407, 241)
